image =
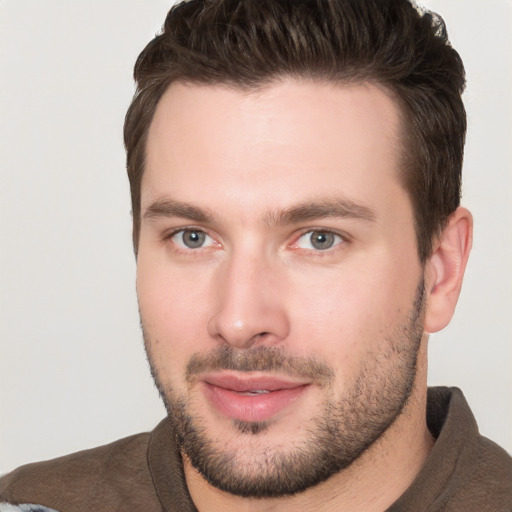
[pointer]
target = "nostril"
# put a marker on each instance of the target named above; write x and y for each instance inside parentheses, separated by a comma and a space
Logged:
(261, 336)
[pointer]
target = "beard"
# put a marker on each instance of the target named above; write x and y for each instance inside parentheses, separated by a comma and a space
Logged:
(340, 433)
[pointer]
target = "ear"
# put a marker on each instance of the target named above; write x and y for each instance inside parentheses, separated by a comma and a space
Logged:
(445, 269)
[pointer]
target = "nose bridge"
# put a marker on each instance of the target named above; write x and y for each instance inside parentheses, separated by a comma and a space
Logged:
(249, 305)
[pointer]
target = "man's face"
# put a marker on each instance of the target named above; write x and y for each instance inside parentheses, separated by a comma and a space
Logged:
(280, 290)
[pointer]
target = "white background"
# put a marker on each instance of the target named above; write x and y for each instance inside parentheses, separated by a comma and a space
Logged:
(73, 373)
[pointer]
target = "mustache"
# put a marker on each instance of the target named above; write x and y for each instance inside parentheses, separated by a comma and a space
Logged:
(259, 359)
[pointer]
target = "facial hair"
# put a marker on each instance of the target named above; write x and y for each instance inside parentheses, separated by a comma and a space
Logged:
(345, 427)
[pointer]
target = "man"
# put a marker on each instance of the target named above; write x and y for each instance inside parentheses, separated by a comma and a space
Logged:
(295, 179)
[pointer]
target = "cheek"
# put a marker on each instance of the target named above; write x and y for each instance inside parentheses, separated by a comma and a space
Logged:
(346, 317)
(173, 306)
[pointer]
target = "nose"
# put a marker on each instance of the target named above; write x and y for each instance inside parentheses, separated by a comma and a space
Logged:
(249, 303)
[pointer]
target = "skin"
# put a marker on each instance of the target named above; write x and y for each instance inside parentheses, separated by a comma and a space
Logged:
(245, 159)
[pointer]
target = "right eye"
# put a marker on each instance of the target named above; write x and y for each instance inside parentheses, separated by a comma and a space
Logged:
(192, 239)
(319, 240)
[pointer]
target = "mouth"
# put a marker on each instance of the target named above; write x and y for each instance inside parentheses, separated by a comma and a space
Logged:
(251, 398)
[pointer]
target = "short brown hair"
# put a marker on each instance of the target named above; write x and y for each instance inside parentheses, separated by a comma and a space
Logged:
(248, 43)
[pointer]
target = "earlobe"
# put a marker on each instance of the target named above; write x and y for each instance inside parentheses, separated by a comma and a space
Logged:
(445, 269)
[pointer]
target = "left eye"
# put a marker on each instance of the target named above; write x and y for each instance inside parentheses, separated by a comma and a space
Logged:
(192, 239)
(319, 240)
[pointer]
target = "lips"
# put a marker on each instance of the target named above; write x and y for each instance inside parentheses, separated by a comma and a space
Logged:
(254, 398)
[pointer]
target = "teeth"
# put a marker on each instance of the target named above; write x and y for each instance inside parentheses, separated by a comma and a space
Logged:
(254, 392)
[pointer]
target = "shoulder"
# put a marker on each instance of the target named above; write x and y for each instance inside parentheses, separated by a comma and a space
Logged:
(98, 479)
(464, 471)
(488, 470)
(480, 470)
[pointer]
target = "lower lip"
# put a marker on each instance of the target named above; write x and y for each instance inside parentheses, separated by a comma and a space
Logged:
(251, 408)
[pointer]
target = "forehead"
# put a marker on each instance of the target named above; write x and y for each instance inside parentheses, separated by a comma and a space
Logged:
(283, 143)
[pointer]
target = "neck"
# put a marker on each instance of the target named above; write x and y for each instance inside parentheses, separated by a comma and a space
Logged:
(370, 484)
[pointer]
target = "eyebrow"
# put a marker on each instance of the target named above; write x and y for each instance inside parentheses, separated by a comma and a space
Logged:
(170, 208)
(325, 208)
